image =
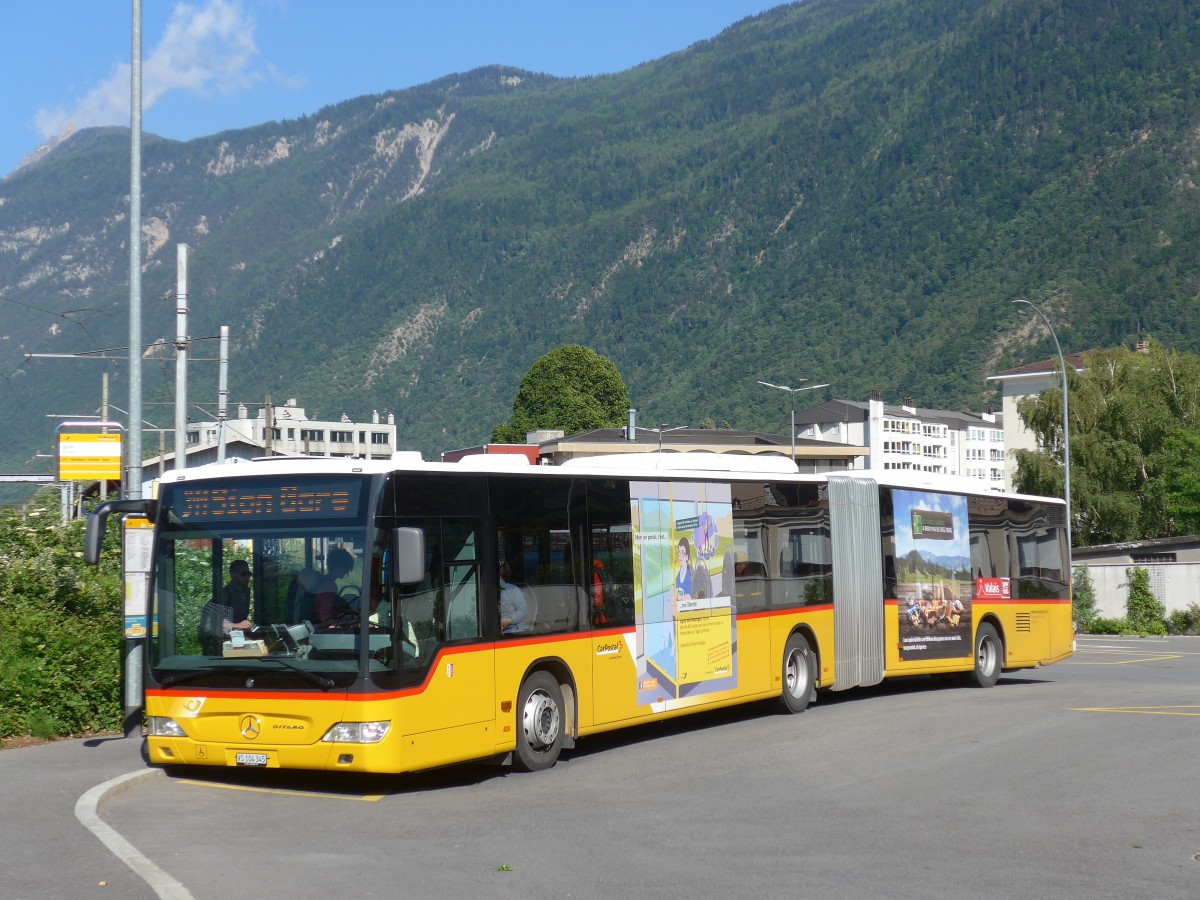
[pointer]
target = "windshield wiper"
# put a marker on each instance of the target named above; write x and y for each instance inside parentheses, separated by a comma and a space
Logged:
(183, 676)
(319, 680)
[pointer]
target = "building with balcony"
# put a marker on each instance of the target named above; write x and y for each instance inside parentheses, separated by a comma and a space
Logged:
(910, 438)
(1021, 382)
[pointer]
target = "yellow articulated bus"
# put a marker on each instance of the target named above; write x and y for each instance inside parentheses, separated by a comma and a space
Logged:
(394, 616)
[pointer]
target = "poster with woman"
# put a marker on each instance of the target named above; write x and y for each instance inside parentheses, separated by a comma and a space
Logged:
(683, 552)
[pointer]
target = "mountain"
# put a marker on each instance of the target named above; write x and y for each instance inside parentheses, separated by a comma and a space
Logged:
(850, 191)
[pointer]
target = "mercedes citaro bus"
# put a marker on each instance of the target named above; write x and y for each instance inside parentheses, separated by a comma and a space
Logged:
(377, 637)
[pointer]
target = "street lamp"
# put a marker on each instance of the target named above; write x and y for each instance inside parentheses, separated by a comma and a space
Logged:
(1066, 428)
(793, 391)
(663, 429)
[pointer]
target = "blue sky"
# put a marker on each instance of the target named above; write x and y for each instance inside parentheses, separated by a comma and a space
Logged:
(212, 65)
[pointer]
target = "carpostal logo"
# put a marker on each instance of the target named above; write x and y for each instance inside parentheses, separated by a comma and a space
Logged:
(607, 649)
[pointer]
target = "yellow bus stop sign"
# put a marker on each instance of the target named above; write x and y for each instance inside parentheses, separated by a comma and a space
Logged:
(89, 456)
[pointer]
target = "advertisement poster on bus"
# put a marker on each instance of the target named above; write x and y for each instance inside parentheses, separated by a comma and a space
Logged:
(682, 580)
(933, 575)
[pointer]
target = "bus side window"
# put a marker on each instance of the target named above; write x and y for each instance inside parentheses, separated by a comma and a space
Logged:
(609, 571)
(461, 593)
(462, 608)
(533, 536)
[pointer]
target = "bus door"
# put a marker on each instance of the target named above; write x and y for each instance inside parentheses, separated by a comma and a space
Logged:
(441, 630)
(857, 581)
(611, 602)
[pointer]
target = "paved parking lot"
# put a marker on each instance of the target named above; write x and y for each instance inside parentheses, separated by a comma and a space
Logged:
(1078, 780)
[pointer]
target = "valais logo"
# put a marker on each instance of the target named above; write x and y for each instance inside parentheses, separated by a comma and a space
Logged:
(992, 589)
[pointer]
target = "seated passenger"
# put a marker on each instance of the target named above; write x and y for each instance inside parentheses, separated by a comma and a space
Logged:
(301, 596)
(328, 604)
(513, 609)
(230, 612)
(236, 594)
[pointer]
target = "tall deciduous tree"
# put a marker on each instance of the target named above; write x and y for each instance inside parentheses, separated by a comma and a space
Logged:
(570, 389)
(1135, 430)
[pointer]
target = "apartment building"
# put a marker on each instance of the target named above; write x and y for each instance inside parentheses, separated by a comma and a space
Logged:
(907, 437)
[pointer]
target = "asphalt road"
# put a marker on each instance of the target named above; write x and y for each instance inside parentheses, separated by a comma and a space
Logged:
(1080, 780)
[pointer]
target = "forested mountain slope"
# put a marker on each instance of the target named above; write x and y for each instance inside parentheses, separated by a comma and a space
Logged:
(851, 191)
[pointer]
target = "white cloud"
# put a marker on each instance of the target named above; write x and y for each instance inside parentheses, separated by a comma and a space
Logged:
(205, 50)
(281, 78)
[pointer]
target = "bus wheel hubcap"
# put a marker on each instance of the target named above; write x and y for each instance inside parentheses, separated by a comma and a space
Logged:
(540, 720)
(795, 673)
(986, 656)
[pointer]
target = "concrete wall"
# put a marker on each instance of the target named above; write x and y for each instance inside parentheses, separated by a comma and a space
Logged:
(1177, 585)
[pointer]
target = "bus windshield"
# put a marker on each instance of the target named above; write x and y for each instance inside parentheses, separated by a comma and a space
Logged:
(259, 582)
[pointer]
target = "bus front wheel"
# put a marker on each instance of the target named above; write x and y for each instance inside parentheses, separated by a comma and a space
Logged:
(989, 651)
(539, 722)
(799, 684)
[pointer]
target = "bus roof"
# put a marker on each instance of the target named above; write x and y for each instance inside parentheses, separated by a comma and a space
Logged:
(697, 465)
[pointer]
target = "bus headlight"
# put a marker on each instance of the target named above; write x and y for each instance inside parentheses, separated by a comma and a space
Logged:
(357, 732)
(164, 726)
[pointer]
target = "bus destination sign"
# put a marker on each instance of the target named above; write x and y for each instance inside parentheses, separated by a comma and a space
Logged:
(279, 499)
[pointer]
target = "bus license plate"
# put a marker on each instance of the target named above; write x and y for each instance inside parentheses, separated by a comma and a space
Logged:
(251, 759)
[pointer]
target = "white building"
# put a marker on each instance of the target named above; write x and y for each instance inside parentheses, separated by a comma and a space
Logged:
(1023, 382)
(281, 431)
(906, 437)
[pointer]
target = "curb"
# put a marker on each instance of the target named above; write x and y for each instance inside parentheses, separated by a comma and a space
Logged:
(86, 811)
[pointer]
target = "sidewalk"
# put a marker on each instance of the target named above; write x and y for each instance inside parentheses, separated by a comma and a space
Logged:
(48, 852)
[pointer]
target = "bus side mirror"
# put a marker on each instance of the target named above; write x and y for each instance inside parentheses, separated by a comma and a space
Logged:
(93, 532)
(408, 555)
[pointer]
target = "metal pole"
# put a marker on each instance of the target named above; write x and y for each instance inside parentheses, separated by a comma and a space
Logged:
(133, 465)
(181, 355)
(222, 392)
(104, 418)
(793, 394)
(1065, 420)
(269, 427)
(793, 391)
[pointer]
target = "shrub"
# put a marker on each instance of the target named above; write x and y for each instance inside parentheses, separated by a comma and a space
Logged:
(1144, 612)
(1184, 621)
(1100, 625)
(61, 626)
(1083, 598)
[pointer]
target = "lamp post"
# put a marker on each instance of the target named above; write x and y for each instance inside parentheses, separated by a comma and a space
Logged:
(793, 391)
(663, 429)
(1065, 422)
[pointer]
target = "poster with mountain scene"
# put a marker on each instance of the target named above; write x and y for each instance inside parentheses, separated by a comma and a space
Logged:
(933, 575)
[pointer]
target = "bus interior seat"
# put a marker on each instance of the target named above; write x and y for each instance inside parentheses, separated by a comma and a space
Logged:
(531, 607)
(558, 607)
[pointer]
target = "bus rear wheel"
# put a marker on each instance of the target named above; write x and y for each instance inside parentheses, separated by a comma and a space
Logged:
(799, 683)
(989, 651)
(539, 722)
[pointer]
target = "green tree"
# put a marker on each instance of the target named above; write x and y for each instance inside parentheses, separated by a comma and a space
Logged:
(1144, 612)
(571, 389)
(1135, 444)
(1182, 482)
(1083, 598)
